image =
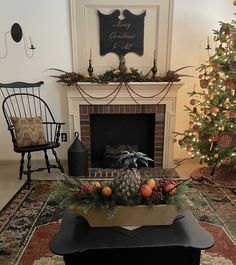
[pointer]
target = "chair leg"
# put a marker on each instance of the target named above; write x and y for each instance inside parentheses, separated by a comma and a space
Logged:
(29, 170)
(47, 161)
(58, 161)
(21, 165)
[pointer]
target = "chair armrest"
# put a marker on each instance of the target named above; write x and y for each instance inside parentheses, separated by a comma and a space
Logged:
(52, 130)
(57, 123)
(10, 128)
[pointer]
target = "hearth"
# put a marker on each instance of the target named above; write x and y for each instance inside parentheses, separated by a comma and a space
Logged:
(113, 133)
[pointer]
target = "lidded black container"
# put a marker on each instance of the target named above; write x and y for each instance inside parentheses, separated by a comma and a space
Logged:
(77, 158)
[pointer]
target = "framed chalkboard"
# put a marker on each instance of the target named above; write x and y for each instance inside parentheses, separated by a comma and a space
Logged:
(121, 36)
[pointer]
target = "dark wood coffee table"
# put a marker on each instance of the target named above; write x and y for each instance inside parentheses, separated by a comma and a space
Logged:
(179, 243)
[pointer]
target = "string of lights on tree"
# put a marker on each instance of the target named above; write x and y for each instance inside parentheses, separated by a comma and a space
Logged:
(212, 127)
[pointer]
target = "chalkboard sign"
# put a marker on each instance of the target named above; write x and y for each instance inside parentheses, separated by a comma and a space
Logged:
(121, 36)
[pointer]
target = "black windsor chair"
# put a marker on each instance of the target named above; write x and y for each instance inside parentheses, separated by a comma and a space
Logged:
(31, 124)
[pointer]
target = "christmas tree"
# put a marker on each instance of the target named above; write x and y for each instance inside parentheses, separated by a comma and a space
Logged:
(212, 127)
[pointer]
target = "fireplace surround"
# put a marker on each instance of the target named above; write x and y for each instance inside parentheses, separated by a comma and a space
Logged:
(82, 106)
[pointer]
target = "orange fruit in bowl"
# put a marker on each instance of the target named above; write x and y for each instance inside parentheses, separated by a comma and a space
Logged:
(151, 183)
(145, 190)
(106, 191)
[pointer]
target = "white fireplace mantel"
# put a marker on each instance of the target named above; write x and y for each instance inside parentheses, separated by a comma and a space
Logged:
(146, 89)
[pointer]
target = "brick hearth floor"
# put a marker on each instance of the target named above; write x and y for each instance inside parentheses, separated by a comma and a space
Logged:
(146, 172)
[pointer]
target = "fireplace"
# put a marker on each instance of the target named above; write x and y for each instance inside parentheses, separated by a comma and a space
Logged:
(84, 111)
(111, 134)
(152, 118)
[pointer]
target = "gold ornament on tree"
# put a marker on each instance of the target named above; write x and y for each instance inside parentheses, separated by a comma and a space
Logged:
(204, 83)
(193, 101)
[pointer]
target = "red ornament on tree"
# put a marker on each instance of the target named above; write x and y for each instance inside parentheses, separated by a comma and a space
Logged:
(217, 77)
(195, 110)
(232, 114)
(214, 109)
(189, 148)
(213, 138)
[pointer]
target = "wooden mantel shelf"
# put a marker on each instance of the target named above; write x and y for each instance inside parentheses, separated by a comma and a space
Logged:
(146, 89)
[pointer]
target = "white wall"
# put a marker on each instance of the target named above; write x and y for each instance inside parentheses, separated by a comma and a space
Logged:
(47, 21)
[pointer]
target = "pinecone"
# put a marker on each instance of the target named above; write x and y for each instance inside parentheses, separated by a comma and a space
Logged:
(126, 185)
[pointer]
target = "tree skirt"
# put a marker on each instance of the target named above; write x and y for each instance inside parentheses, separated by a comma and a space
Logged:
(30, 220)
(223, 176)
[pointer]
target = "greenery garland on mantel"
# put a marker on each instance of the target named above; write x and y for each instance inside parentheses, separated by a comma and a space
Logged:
(116, 76)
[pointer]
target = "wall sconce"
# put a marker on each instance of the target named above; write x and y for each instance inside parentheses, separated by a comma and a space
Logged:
(17, 35)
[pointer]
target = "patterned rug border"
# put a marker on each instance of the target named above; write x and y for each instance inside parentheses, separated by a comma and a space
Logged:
(30, 234)
(227, 230)
(11, 201)
(29, 239)
(26, 194)
(230, 236)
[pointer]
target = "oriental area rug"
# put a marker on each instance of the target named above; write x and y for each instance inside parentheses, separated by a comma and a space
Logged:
(32, 217)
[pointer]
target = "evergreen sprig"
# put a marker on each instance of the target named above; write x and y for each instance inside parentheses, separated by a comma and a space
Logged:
(116, 76)
(86, 195)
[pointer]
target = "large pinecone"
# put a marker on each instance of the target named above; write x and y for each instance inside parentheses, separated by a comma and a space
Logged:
(126, 185)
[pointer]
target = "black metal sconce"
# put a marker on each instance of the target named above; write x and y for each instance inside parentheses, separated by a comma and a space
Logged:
(17, 35)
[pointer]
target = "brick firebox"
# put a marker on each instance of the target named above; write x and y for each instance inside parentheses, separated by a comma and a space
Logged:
(158, 110)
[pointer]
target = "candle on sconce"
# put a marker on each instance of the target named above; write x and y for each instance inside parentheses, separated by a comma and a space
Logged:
(30, 40)
(208, 47)
(90, 68)
(154, 68)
